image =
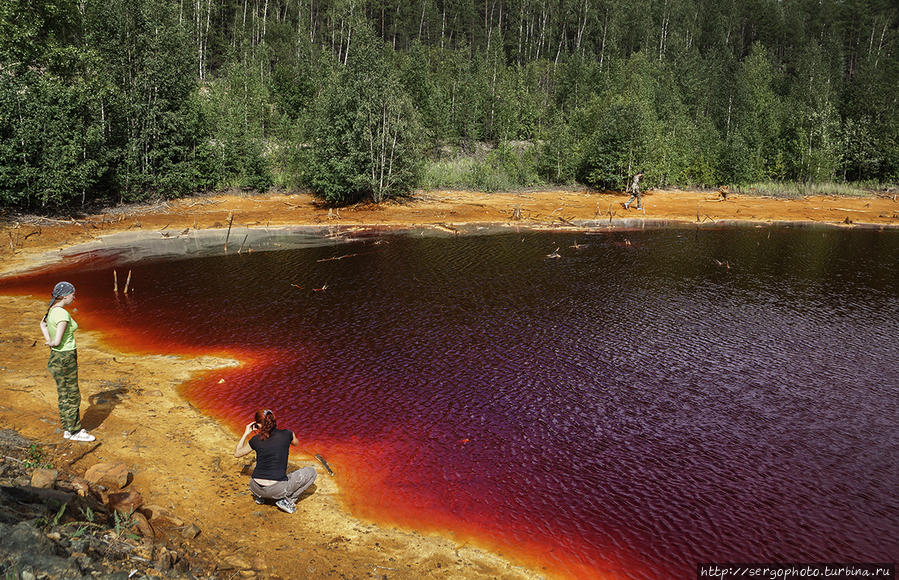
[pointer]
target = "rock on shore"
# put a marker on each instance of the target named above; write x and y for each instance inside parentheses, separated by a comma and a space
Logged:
(57, 525)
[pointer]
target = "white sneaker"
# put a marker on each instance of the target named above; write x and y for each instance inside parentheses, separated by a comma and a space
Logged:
(79, 436)
(286, 505)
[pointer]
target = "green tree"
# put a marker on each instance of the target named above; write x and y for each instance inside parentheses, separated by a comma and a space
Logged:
(237, 108)
(155, 121)
(813, 127)
(367, 140)
(621, 125)
(756, 120)
(557, 154)
(52, 136)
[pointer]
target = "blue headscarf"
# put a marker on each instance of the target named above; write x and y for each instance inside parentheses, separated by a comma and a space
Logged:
(61, 289)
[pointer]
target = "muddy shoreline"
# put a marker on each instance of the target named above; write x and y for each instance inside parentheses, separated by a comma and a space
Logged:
(182, 459)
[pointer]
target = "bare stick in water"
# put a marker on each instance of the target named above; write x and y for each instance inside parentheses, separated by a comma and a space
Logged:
(115, 282)
(228, 235)
(128, 281)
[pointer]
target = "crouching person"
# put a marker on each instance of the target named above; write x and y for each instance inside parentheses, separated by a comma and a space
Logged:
(270, 480)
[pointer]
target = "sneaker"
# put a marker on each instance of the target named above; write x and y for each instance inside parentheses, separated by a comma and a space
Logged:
(627, 206)
(258, 499)
(66, 435)
(79, 436)
(286, 505)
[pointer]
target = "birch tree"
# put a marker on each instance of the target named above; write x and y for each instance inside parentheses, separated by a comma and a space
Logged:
(367, 136)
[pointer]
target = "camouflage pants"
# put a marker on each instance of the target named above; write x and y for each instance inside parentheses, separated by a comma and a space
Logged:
(635, 194)
(63, 366)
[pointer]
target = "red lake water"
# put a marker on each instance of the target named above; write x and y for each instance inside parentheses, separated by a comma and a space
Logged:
(647, 401)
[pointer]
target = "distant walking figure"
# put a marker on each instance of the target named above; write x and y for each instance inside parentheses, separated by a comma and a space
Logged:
(635, 192)
(270, 480)
(58, 328)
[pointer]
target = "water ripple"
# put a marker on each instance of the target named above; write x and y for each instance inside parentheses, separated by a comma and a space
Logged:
(652, 400)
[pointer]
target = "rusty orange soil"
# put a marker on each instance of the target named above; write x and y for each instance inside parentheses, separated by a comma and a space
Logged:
(183, 460)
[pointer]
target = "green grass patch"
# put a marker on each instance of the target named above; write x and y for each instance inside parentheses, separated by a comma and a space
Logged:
(504, 168)
(797, 190)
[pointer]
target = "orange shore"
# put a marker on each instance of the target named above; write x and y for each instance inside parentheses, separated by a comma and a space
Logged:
(183, 460)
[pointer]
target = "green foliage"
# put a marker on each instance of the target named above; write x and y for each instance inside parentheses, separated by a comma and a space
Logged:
(367, 134)
(31, 28)
(812, 130)
(508, 166)
(58, 516)
(614, 148)
(125, 100)
(452, 173)
(797, 190)
(558, 152)
(36, 458)
(122, 524)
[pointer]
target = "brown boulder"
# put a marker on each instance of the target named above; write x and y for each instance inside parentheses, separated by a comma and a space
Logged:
(125, 502)
(80, 486)
(232, 561)
(164, 560)
(191, 531)
(160, 515)
(44, 478)
(142, 525)
(109, 475)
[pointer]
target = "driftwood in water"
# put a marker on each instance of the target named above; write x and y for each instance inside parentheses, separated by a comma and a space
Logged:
(324, 463)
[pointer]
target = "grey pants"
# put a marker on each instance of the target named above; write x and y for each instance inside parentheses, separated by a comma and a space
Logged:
(297, 482)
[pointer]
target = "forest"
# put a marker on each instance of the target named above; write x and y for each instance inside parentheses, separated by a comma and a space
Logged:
(113, 101)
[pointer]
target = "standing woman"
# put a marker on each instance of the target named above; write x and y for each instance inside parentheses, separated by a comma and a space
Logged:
(59, 328)
(270, 480)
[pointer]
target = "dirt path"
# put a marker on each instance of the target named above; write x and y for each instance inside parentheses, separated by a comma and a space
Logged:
(183, 460)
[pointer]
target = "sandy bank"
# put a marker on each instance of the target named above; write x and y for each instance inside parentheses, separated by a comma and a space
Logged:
(183, 459)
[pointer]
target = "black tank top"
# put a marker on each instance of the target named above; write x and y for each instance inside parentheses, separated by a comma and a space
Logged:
(271, 455)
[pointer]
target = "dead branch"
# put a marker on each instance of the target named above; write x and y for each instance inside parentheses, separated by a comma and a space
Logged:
(445, 227)
(228, 235)
(335, 258)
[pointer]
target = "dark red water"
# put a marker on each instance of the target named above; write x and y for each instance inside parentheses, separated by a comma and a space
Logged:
(646, 402)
